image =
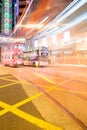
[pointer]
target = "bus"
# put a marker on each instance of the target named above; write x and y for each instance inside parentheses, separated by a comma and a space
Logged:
(12, 55)
(36, 57)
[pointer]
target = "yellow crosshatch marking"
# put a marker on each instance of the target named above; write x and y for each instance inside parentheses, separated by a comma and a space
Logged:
(31, 98)
(4, 105)
(7, 78)
(6, 85)
(61, 83)
(40, 123)
(14, 82)
(13, 108)
(45, 78)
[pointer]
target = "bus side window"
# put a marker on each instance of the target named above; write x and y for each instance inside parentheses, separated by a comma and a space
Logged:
(12, 56)
(19, 55)
(38, 52)
(2, 57)
(5, 57)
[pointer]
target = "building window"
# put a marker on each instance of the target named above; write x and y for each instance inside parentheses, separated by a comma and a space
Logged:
(35, 43)
(54, 39)
(44, 43)
(67, 36)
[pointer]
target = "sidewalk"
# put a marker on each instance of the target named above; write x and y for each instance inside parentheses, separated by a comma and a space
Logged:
(73, 65)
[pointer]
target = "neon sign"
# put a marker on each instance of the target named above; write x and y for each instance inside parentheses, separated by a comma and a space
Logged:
(7, 16)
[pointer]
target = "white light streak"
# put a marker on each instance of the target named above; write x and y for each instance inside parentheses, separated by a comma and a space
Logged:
(22, 18)
(11, 40)
(29, 26)
(37, 25)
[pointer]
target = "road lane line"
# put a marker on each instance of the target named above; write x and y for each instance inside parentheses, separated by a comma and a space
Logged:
(8, 85)
(30, 118)
(16, 80)
(78, 92)
(4, 105)
(3, 77)
(32, 98)
(13, 80)
(71, 91)
(27, 100)
(50, 81)
(7, 107)
(3, 112)
(8, 79)
(61, 83)
(34, 120)
(65, 81)
(45, 78)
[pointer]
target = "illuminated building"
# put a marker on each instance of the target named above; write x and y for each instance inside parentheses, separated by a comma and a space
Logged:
(0, 13)
(14, 13)
(7, 17)
(9, 13)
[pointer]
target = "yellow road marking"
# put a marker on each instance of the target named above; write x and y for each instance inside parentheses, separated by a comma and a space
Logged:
(61, 83)
(31, 98)
(6, 85)
(47, 79)
(28, 117)
(38, 122)
(27, 100)
(5, 77)
(65, 81)
(3, 111)
(78, 92)
(12, 80)
(72, 91)
(4, 105)
(7, 107)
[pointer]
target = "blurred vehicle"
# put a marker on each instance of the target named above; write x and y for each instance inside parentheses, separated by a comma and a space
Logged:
(36, 57)
(12, 55)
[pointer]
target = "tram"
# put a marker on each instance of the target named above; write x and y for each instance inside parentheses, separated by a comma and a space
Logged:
(12, 55)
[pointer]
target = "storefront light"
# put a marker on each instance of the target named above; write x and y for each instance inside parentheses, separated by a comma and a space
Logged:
(12, 40)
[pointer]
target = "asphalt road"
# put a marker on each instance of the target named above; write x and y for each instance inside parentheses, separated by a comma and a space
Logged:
(43, 98)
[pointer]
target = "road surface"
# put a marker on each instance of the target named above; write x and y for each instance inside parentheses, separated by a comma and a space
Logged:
(43, 98)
